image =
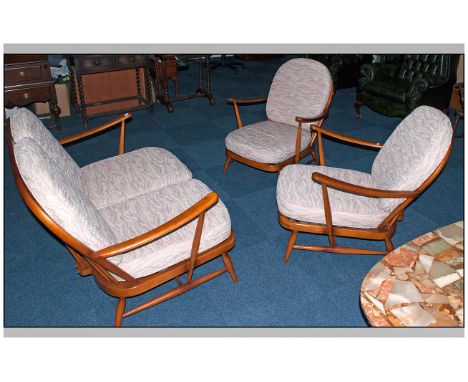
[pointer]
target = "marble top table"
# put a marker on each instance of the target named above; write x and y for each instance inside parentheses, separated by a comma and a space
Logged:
(419, 284)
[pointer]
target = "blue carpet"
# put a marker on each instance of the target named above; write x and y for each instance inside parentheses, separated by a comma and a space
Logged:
(42, 288)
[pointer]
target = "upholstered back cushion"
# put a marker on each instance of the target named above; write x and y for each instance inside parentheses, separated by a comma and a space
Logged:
(60, 196)
(420, 65)
(413, 151)
(25, 124)
(301, 87)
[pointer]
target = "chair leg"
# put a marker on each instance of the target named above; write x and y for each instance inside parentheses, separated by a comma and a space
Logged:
(228, 264)
(119, 311)
(289, 248)
(226, 164)
(389, 245)
(357, 108)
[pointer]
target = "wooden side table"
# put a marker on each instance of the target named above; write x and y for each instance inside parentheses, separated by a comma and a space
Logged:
(28, 80)
(163, 68)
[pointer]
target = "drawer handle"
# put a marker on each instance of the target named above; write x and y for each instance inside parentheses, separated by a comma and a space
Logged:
(21, 74)
(26, 95)
(97, 62)
(131, 58)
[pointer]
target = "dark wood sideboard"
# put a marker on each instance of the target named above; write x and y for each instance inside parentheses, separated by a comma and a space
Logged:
(28, 80)
(109, 84)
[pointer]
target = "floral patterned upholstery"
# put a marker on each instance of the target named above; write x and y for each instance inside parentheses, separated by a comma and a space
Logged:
(300, 198)
(412, 152)
(25, 124)
(407, 159)
(301, 87)
(115, 199)
(147, 211)
(118, 178)
(61, 196)
(266, 142)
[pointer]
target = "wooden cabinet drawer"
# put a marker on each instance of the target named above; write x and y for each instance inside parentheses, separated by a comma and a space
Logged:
(95, 63)
(131, 60)
(26, 96)
(20, 75)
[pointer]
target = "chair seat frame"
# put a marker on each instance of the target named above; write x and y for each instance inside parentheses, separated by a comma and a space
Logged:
(298, 154)
(384, 231)
(112, 279)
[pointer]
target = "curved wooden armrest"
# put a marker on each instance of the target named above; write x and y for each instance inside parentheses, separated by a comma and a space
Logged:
(247, 100)
(360, 190)
(243, 101)
(102, 127)
(312, 119)
(185, 217)
(345, 138)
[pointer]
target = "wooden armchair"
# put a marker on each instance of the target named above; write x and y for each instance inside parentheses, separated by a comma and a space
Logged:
(341, 202)
(300, 94)
(133, 221)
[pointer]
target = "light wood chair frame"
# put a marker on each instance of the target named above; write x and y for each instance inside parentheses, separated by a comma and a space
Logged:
(276, 167)
(96, 262)
(384, 231)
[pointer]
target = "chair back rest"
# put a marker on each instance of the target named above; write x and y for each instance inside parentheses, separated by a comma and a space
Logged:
(301, 87)
(58, 192)
(413, 152)
(416, 66)
(26, 124)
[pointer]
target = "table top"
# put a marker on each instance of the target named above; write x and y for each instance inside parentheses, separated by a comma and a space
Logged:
(15, 59)
(419, 284)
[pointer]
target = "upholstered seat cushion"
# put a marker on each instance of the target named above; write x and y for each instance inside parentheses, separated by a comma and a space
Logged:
(266, 141)
(300, 198)
(121, 177)
(395, 89)
(147, 211)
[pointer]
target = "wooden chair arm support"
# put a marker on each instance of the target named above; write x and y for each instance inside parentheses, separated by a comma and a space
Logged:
(102, 127)
(360, 190)
(345, 138)
(247, 100)
(312, 119)
(243, 101)
(180, 220)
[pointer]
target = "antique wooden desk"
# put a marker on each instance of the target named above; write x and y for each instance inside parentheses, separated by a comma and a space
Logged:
(28, 80)
(109, 84)
(163, 68)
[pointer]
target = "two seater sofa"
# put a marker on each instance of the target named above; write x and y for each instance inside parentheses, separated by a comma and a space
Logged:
(134, 221)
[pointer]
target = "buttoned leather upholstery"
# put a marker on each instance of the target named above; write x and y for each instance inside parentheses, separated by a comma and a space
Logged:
(400, 83)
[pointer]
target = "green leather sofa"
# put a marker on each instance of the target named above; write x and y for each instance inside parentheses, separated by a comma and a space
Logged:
(399, 83)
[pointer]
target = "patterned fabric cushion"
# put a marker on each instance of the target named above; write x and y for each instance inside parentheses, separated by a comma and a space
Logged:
(412, 153)
(118, 178)
(60, 196)
(300, 198)
(266, 142)
(145, 212)
(301, 87)
(25, 124)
